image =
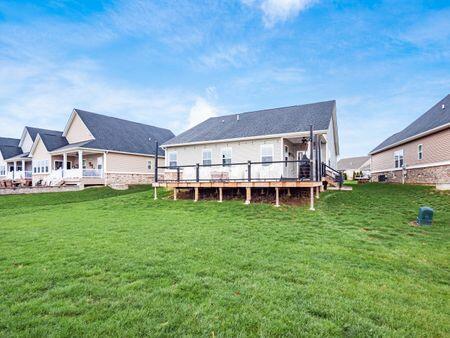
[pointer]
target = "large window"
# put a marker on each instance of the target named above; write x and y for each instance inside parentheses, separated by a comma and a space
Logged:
(226, 156)
(207, 157)
(149, 165)
(398, 159)
(2, 170)
(266, 154)
(173, 159)
(420, 151)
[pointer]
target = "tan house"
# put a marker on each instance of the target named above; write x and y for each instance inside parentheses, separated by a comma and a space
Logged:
(283, 148)
(420, 153)
(96, 149)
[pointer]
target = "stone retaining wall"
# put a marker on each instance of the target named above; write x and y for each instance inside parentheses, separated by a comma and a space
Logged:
(112, 178)
(430, 175)
(37, 190)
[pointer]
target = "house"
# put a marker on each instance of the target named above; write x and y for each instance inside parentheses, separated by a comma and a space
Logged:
(354, 165)
(96, 149)
(258, 146)
(9, 147)
(18, 160)
(420, 153)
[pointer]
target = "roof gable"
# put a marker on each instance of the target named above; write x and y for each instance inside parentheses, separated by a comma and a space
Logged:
(352, 162)
(10, 151)
(51, 141)
(435, 117)
(260, 123)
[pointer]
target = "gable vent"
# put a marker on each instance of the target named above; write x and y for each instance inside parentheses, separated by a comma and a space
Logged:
(237, 117)
(443, 106)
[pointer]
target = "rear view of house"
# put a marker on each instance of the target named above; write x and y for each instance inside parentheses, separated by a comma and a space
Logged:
(281, 147)
(353, 166)
(420, 153)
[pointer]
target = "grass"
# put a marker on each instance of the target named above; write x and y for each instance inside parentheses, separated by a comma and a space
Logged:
(103, 262)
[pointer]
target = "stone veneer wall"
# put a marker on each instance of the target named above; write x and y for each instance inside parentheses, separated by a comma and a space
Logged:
(38, 190)
(430, 175)
(112, 178)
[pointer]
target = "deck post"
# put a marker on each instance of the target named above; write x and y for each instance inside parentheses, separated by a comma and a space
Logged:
(289, 192)
(220, 195)
(311, 152)
(178, 174)
(156, 162)
(175, 190)
(248, 197)
(195, 194)
(155, 193)
(277, 197)
(317, 192)
(197, 172)
(311, 199)
(249, 171)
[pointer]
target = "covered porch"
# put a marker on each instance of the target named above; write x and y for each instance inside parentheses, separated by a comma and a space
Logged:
(78, 167)
(18, 168)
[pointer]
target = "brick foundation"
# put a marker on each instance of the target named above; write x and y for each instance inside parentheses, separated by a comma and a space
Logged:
(38, 190)
(129, 178)
(430, 175)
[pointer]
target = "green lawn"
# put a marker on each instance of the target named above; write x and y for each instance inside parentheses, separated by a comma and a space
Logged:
(104, 262)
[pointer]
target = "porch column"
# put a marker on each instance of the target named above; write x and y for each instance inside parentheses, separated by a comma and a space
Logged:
(15, 170)
(23, 167)
(64, 164)
(80, 161)
(104, 169)
(311, 196)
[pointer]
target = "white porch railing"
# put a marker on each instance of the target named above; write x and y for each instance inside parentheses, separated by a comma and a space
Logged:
(92, 173)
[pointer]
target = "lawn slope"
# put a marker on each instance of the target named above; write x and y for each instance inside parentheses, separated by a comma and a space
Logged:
(102, 262)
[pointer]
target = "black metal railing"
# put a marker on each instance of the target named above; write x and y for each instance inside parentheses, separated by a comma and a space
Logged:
(270, 170)
(334, 174)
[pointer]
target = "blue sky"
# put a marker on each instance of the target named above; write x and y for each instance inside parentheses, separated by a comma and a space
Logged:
(175, 63)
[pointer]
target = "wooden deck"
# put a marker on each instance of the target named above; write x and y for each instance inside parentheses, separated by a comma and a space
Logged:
(239, 184)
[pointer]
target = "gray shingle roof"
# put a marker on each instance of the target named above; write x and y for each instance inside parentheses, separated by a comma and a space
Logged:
(352, 162)
(433, 118)
(10, 151)
(121, 135)
(12, 142)
(259, 123)
(34, 131)
(53, 141)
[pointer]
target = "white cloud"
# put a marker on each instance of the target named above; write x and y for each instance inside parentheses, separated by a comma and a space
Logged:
(279, 10)
(224, 56)
(201, 111)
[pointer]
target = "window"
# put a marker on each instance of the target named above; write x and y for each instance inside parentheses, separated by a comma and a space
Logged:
(99, 163)
(420, 151)
(286, 149)
(58, 165)
(173, 159)
(206, 156)
(84, 164)
(398, 159)
(46, 166)
(226, 156)
(2, 170)
(266, 153)
(149, 165)
(19, 167)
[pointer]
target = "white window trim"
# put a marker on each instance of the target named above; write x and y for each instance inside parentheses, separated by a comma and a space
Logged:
(226, 149)
(420, 152)
(399, 153)
(176, 158)
(269, 145)
(203, 155)
(149, 164)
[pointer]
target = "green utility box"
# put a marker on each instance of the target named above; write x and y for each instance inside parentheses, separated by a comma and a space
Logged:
(425, 216)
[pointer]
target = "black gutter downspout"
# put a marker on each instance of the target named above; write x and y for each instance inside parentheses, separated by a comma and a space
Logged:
(156, 162)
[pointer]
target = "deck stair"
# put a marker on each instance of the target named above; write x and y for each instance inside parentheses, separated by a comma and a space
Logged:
(333, 177)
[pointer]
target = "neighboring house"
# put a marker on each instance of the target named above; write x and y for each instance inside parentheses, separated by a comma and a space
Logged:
(97, 149)
(9, 147)
(279, 134)
(420, 153)
(18, 162)
(351, 165)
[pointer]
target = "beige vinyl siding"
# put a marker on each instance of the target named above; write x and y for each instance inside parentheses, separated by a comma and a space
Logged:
(27, 143)
(40, 154)
(125, 163)
(78, 131)
(436, 148)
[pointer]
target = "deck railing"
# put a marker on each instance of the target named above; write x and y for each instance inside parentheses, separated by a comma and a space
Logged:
(286, 170)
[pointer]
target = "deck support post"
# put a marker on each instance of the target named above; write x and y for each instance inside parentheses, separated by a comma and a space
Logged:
(317, 192)
(322, 188)
(195, 194)
(311, 195)
(175, 194)
(248, 197)
(155, 193)
(220, 195)
(277, 197)
(289, 192)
